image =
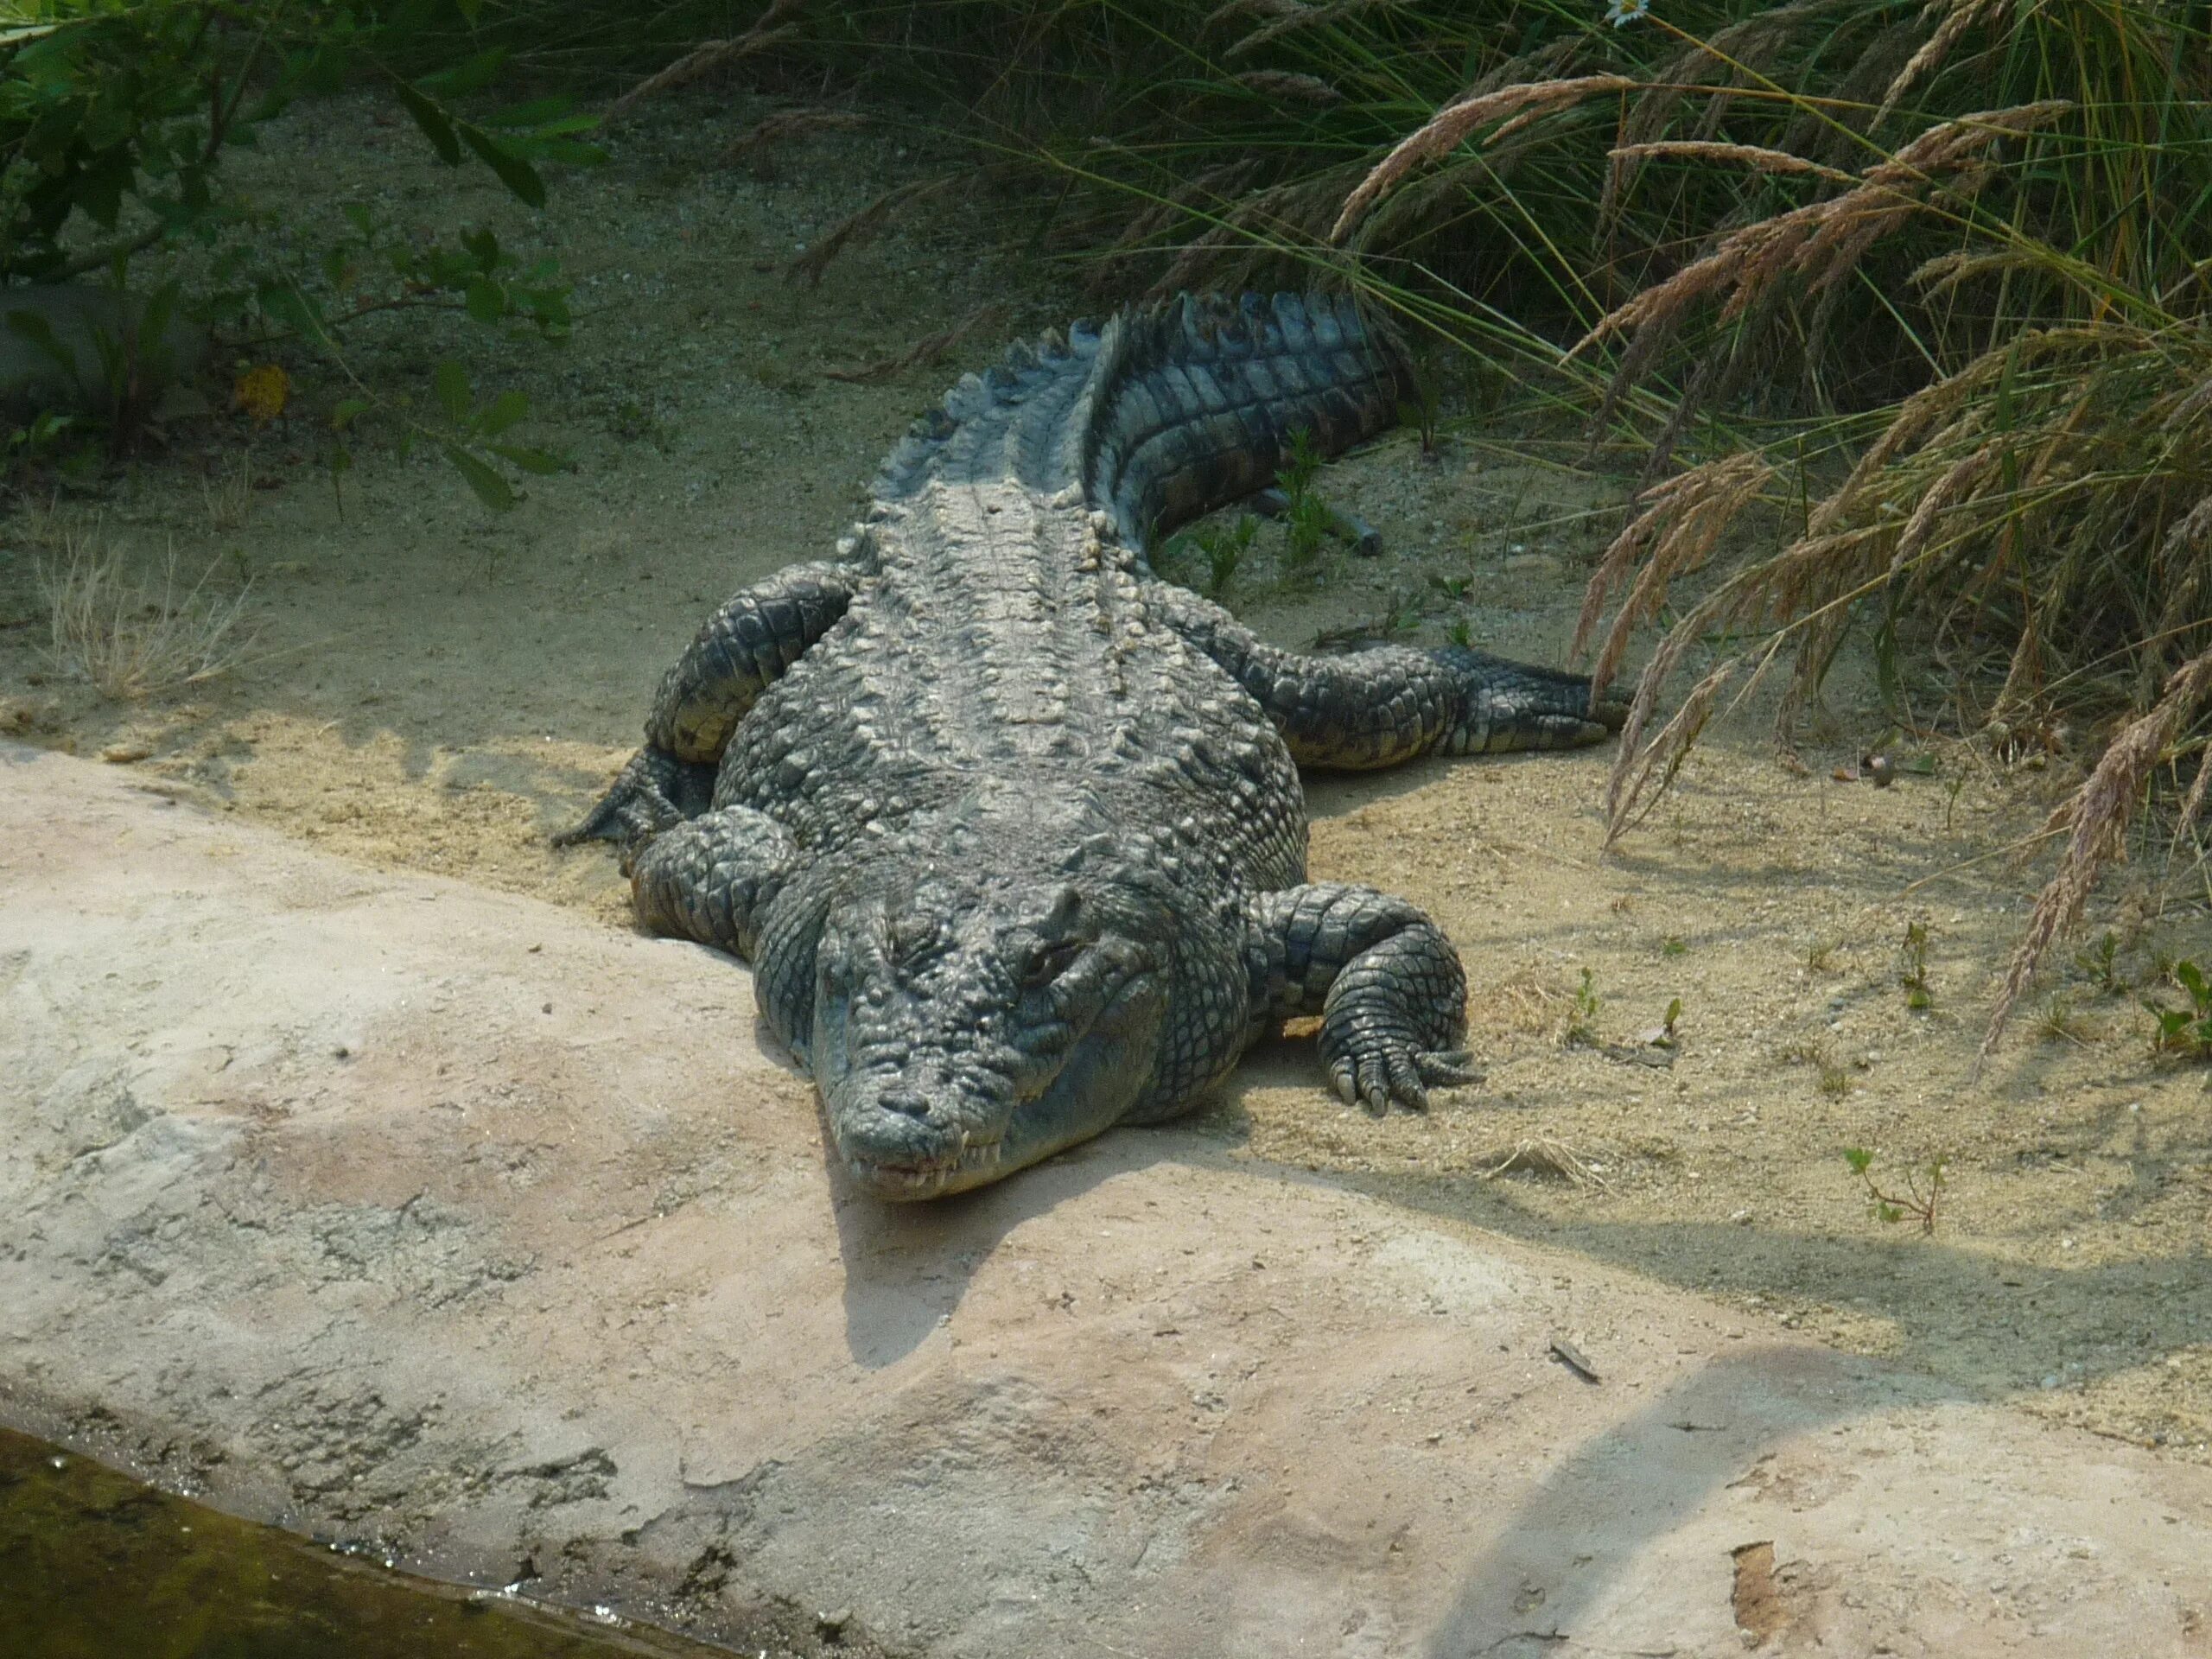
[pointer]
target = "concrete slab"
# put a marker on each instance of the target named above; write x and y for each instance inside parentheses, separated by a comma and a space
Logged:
(454, 1224)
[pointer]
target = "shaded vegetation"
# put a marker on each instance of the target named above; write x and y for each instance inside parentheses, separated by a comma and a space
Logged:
(114, 117)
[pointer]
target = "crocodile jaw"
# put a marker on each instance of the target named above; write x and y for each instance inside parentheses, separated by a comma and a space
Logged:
(978, 1132)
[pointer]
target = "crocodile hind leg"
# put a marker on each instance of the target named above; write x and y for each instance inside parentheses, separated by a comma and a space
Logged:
(1379, 708)
(742, 650)
(1387, 983)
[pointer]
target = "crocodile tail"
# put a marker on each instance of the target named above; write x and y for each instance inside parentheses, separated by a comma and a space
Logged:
(1191, 404)
(1160, 414)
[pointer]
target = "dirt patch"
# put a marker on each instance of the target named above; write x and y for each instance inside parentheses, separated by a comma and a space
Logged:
(432, 690)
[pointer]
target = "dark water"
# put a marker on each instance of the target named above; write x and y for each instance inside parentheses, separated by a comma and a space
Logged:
(94, 1565)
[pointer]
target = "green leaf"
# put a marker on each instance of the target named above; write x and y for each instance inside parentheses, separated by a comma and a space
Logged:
(432, 120)
(1859, 1158)
(347, 412)
(284, 304)
(473, 74)
(491, 489)
(531, 461)
(2190, 978)
(450, 381)
(502, 412)
(540, 113)
(519, 176)
(569, 152)
(357, 215)
(486, 303)
(30, 326)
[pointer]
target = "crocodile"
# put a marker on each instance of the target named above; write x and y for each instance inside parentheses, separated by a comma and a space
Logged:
(1009, 828)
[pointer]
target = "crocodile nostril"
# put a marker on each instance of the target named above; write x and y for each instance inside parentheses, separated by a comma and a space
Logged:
(905, 1102)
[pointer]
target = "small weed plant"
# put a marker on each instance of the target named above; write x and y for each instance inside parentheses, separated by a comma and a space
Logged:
(1305, 518)
(1921, 1200)
(1220, 548)
(2186, 1031)
(1912, 969)
(1581, 1027)
(2099, 964)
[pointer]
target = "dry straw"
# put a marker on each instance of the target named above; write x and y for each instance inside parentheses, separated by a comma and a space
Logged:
(1960, 16)
(1450, 127)
(1682, 521)
(1287, 17)
(2099, 812)
(1824, 241)
(770, 30)
(1757, 155)
(792, 123)
(1290, 87)
(136, 638)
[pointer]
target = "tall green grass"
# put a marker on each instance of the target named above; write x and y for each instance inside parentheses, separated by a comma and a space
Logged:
(1904, 310)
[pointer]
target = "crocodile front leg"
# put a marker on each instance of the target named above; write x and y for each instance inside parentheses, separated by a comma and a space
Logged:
(1380, 708)
(743, 649)
(734, 879)
(1389, 987)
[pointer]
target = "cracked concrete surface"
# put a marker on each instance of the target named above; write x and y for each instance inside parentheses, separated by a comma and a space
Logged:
(455, 1225)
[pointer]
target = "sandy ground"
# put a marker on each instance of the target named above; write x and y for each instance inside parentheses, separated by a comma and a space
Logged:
(433, 690)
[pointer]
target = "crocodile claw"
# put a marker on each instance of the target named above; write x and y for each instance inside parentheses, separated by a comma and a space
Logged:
(655, 792)
(1375, 1079)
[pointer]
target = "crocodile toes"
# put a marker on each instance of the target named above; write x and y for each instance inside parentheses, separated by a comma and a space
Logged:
(1448, 1068)
(1376, 1079)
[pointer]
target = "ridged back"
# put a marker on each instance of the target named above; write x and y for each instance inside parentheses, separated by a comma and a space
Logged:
(1160, 414)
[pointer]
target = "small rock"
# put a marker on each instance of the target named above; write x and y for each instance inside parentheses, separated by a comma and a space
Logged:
(1879, 772)
(127, 751)
(832, 1624)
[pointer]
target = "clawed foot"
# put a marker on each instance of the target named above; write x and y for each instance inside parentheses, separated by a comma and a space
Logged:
(1393, 1071)
(654, 792)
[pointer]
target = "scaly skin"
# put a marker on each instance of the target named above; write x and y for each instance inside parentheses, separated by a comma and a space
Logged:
(1011, 830)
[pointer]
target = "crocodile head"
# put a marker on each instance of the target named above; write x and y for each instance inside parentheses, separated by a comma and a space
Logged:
(967, 1026)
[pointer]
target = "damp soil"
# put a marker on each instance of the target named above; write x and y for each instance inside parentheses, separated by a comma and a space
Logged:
(95, 1566)
(433, 688)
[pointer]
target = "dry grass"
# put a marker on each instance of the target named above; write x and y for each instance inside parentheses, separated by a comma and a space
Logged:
(132, 634)
(773, 28)
(1513, 107)
(229, 495)
(1544, 1158)
(2099, 813)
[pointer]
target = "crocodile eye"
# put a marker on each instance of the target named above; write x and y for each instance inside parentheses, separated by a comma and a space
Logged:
(1051, 962)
